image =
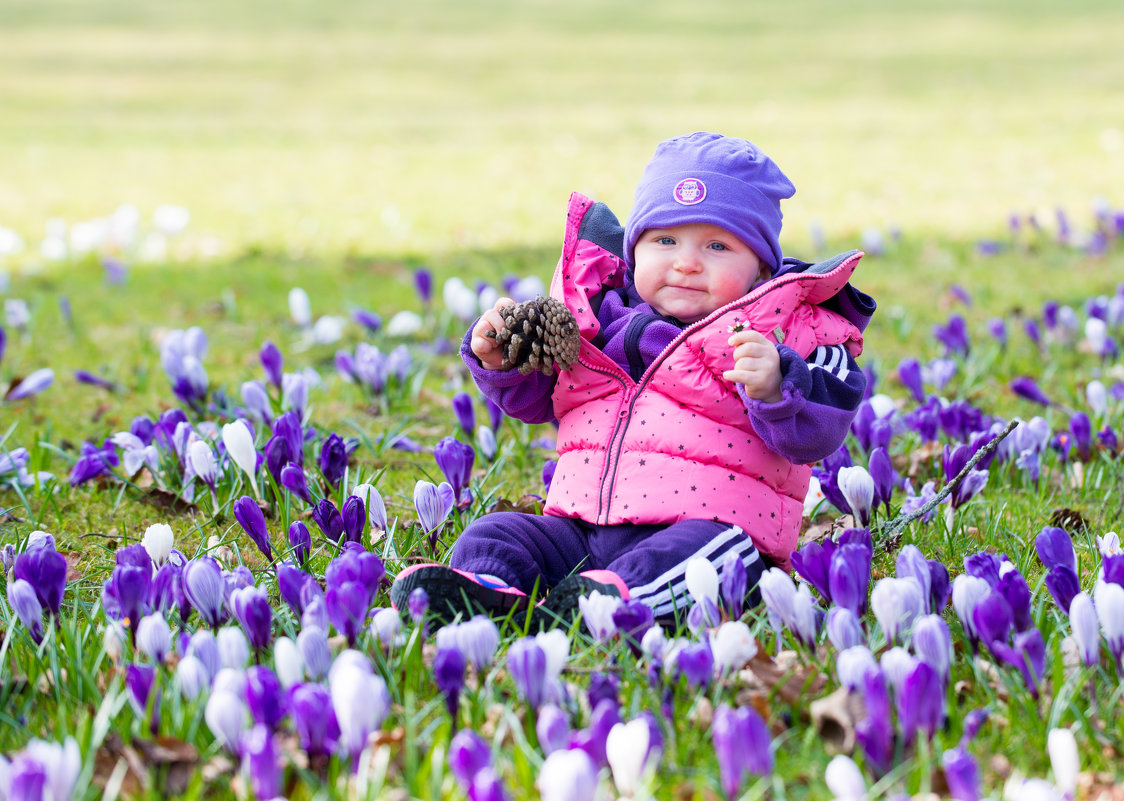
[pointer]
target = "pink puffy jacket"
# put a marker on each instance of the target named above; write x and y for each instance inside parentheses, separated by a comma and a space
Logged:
(678, 444)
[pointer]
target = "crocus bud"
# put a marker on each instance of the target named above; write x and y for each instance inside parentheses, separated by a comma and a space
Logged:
(312, 643)
(239, 444)
(203, 586)
(465, 410)
(22, 598)
(857, 487)
(226, 717)
(192, 677)
(896, 602)
(249, 515)
(234, 652)
(157, 541)
(154, 637)
(568, 775)
(552, 729)
(272, 362)
(933, 643)
(201, 460)
(300, 541)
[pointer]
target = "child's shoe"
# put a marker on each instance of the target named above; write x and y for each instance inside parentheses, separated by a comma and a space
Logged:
(452, 592)
(560, 607)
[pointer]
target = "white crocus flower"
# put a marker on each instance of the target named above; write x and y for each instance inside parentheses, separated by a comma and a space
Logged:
(240, 447)
(702, 581)
(733, 646)
(300, 308)
(404, 324)
(157, 541)
(626, 749)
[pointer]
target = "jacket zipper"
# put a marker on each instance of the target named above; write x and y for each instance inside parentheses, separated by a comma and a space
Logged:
(621, 427)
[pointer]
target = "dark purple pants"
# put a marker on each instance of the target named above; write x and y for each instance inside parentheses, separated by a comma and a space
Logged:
(525, 550)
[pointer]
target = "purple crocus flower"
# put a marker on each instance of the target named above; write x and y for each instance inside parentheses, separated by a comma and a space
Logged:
(448, 673)
(875, 733)
(25, 603)
(468, 755)
(354, 518)
(264, 696)
(368, 319)
(279, 453)
(696, 662)
(733, 585)
(882, 472)
(293, 479)
(526, 663)
(357, 565)
(985, 565)
(347, 604)
(249, 515)
(953, 336)
(992, 618)
(742, 744)
(632, 620)
(843, 628)
(1014, 589)
(997, 328)
(290, 581)
(932, 642)
(272, 363)
(261, 762)
(86, 377)
(203, 586)
(813, 562)
(310, 708)
(920, 702)
(909, 374)
(465, 409)
(423, 283)
(333, 459)
(962, 774)
(140, 682)
(433, 504)
(551, 727)
(593, 739)
(125, 594)
(1027, 652)
(45, 570)
(329, 519)
(94, 462)
(253, 612)
(300, 542)
(166, 592)
(1082, 430)
(849, 577)
(1026, 387)
(1055, 548)
(1108, 598)
(31, 385)
(455, 459)
(548, 469)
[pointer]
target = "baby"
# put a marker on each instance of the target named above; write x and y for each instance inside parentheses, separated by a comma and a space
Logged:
(712, 373)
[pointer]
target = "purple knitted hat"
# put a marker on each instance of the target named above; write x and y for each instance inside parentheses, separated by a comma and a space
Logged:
(710, 178)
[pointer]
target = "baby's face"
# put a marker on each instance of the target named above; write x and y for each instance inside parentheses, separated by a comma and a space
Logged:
(688, 271)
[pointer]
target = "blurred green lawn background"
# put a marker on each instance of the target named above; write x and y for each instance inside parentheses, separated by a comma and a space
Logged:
(438, 126)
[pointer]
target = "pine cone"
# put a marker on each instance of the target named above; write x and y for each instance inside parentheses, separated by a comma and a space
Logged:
(537, 335)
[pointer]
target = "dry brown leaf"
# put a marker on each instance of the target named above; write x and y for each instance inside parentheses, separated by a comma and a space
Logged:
(72, 571)
(786, 676)
(824, 528)
(113, 751)
(167, 501)
(1100, 786)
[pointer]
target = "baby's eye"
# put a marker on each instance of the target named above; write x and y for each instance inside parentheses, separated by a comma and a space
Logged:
(665, 240)
(718, 246)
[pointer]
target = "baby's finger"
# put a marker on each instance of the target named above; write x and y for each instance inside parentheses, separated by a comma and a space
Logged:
(745, 336)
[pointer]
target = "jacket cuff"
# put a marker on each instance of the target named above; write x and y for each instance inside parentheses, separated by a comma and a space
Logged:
(792, 402)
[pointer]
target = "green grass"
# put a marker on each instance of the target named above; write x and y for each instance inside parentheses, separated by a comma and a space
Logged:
(437, 127)
(338, 146)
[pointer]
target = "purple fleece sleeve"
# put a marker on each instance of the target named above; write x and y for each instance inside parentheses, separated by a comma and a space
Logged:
(820, 399)
(524, 397)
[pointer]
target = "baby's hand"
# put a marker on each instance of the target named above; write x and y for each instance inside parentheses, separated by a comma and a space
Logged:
(486, 349)
(757, 365)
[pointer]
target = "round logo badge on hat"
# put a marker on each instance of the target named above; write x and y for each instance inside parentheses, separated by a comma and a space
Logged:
(689, 191)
